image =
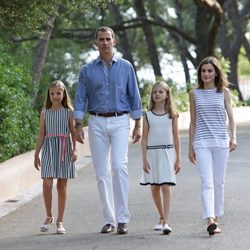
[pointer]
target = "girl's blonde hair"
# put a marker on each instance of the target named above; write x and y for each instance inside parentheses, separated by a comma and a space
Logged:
(169, 104)
(220, 80)
(66, 102)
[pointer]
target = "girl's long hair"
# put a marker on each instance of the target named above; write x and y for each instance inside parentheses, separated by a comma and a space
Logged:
(66, 102)
(220, 80)
(169, 104)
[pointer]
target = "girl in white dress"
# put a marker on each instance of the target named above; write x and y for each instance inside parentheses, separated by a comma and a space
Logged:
(160, 151)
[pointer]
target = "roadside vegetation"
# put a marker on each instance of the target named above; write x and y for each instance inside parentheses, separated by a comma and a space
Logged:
(52, 39)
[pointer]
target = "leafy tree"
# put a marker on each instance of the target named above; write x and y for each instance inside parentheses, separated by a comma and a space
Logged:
(23, 18)
(18, 121)
(244, 64)
(28, 25)
(180, 96)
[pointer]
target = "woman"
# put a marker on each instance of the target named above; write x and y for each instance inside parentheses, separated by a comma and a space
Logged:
(209, 141)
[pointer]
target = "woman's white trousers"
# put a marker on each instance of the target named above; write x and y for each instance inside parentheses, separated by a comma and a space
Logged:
(212, 164)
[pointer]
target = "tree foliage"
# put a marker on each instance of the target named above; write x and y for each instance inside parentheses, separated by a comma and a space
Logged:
(26, 18)
(18, 121)
(187, 30)
(23, 18)
(244, 64)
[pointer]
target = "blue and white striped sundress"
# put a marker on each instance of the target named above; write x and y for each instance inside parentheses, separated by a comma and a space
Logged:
(57, 146)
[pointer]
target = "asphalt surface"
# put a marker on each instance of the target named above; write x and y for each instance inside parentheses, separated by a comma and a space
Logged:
(83, 220)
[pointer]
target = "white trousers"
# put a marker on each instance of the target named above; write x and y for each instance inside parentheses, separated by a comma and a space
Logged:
(108, 139)
(212, 164)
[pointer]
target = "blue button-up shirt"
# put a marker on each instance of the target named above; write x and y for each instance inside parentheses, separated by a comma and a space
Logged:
(107, 88)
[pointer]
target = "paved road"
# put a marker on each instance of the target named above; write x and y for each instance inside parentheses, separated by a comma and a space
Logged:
(83, 220)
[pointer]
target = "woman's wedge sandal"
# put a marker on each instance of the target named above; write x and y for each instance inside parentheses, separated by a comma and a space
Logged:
(211, 229)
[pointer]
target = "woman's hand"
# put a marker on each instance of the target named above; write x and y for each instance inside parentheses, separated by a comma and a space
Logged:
(232, 144)
(191, 156)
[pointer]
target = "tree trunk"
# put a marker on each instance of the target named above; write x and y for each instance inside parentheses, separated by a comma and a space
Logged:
(233, 75)
(208, 19)
(149, 36)
(237, 23)
(124, 41)
(40, 55)
(182, 45)
(237, 40)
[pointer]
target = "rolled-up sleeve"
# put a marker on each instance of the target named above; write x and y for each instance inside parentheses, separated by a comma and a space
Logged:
(81, 96)
(134, 95)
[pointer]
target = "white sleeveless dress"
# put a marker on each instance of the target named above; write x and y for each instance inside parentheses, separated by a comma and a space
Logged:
(160, 151)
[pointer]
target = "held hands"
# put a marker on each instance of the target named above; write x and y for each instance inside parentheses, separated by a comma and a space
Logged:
(79, 135)
(73, 155)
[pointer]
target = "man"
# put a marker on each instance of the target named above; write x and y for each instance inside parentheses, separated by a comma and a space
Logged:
(107, 87)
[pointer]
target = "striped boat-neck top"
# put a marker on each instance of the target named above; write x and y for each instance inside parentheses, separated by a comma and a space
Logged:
(211, 119)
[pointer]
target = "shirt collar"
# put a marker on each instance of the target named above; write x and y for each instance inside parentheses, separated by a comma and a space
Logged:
(113, 59)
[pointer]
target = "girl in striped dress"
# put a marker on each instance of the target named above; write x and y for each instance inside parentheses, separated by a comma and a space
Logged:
(160, 151)
(209, 141)
(58, 150)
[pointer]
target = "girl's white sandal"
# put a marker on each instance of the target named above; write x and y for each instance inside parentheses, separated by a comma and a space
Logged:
(59, 228)
(158, 227)
(45, 226)
(166, 229)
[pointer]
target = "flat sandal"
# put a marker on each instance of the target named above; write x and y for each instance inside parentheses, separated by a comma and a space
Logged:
(45, 226)
(59, 228)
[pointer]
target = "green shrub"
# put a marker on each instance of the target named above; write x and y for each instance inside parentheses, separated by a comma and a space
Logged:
(235, 98)
(18, 121)
(247, 102)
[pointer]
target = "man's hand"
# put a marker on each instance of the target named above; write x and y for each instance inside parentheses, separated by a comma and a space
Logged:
(136, 135)
(80, 134)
